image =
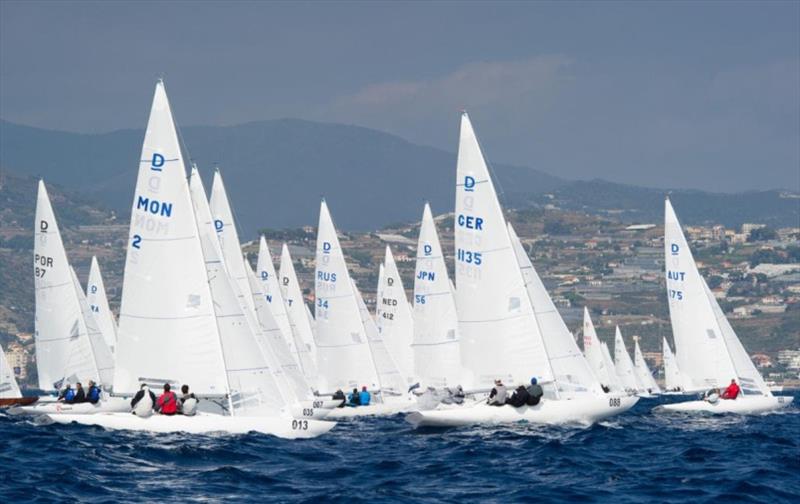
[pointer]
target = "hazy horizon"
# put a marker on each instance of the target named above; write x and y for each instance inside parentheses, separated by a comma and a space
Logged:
(701, 95)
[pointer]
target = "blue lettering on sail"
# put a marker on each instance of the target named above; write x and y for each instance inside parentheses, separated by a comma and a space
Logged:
(675, 249)
(469, 183)
(326, 247)
(470, 222)
(157, 162)
(676, 275)
(469, 257)
(155, 207)
(426, 275)
(427, 249)
(325, 276)
(218, 225)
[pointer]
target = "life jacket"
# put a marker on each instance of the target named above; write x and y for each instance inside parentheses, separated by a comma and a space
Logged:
(94, 394)
(69, 395)
(364, 398)
(189, 407)
(168, 403)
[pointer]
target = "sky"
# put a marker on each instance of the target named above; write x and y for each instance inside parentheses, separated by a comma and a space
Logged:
(668, 95)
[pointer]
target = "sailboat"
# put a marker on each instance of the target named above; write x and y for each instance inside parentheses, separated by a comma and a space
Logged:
(624, 365)
(67, 347)
(98, 302)
(437, 354)
(593, 350)
(510, 329)
(708, 351)
(673, 379)
(350, 353)
(268, 280)
(642, 370)
(182, 320)
(10, 394)
(394, 317)
(298, 317)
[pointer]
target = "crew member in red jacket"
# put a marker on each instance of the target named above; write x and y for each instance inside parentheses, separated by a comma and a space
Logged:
(168, 402)
(732, 392)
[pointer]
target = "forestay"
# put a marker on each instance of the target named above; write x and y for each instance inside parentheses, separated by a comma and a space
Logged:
(98, 303)
(8, 383)
(569, 367)
(167, 327)
(395, 320)
(437, 358)
(252, 385)
(343, 354)
(62, 346)
(497, 325)
(700, 348)
(297, 313)
(624, 365)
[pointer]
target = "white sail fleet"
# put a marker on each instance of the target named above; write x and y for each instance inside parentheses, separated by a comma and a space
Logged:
(193, 311)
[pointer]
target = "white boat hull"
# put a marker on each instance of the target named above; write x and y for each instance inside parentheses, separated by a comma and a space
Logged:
(389, 408)
(109, 405)
(743, 406)
(552, 412)
(203, 423)
(307, 410)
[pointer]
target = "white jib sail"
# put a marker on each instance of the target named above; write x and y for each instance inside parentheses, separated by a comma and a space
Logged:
(624, 365)
(297, 311)
(572, 372)
(98, 302)
(497, 327)
(167, 327)
(250, 374)
(228, 237)
(62, 348)
(103, 359)
(609, 363)
(343, 354)
(8, 383)
(437, 356)
(642, 370)
(700, 348)
(271, 290)
(390, 380)
(593, 350)
(673, 380)
(395, 320)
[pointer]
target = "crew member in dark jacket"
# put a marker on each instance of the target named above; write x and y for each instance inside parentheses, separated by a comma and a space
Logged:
(80, 395)
(535, 392)
(519, 397)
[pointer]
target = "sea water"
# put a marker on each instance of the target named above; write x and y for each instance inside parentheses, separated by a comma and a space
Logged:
(637, 457)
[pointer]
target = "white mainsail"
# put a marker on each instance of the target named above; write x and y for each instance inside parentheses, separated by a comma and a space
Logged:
(270, 288)
(250, 374)
(8, 382)
(572, 373)
(642, 370)
(593, 351)
(498, 330)
(297, 313)
(228, 237)
(103, 358)
(624, 365)
(167, 326)
(395, 320)
(63, 349)
(609, 364)
(673, 380)
(707, 350)
(390, 380)
(344, 359)
(98, 302)
(437, 356)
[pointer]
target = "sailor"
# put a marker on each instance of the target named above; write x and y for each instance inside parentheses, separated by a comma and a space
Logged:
(535, 392)
(339, 396)
(497, 397)
(142, 403)
(67, 395)
(732, 392)
(711, 396)
(458, 396)
(80, 395)
(188, 403)
(167, 403)
(93, 395)
(364, 397)
(519, 397)
(354, 399)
